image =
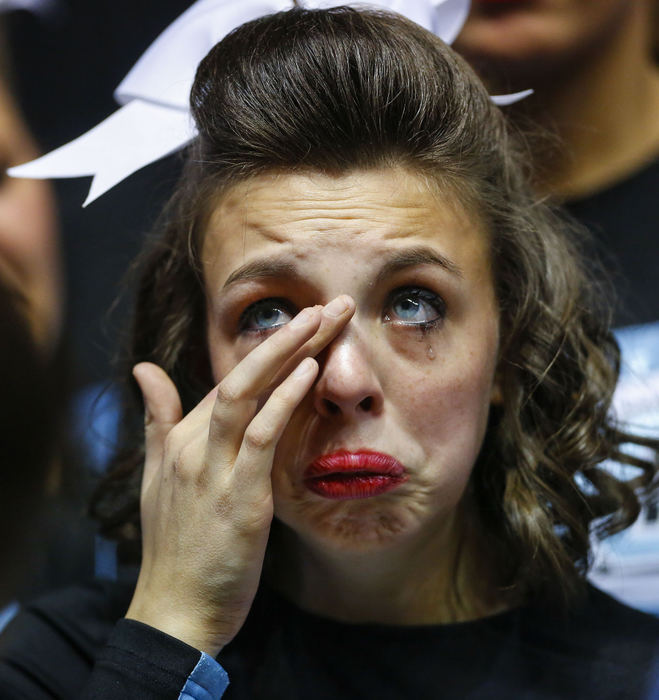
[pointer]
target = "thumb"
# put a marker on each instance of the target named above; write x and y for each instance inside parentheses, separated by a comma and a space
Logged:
(162, 411)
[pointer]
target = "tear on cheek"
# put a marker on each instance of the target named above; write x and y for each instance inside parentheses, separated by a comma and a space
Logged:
(418, 345)
(422, 333)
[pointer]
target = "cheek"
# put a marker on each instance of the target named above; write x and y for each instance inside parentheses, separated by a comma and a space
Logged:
(223, 354)
(450, 406)
(417, 348)
(448, 423)
(448, 403)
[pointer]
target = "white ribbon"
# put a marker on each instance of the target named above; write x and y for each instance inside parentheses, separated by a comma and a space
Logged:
(154, 120)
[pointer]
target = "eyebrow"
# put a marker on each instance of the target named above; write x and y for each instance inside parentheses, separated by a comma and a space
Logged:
(258, 269)
(410, 257)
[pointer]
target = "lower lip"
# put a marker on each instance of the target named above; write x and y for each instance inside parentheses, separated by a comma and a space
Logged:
(353, 485)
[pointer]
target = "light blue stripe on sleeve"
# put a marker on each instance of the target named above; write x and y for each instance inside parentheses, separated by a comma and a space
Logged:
(208, 681)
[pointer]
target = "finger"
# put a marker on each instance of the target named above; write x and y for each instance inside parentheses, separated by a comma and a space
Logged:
(254, 461)
(194, 424)
(277, 356)
(254, 372)
(240, 408)
(267, 365)
(162, 411)
(334, 317)
(237, 393)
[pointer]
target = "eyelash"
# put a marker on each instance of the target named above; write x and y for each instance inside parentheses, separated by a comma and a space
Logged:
(270, 303)
(418, 294)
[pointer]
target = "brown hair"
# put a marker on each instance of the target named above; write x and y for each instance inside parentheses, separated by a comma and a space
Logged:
(338, 90)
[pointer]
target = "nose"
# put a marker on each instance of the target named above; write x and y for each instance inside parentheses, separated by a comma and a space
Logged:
(347, 384)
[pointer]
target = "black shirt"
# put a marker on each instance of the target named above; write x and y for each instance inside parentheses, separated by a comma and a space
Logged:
(601, 650)
(624, 222)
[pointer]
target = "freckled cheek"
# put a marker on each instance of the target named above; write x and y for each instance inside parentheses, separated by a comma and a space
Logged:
(448, 414)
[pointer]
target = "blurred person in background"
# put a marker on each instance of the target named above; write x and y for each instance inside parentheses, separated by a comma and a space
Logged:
(65, 280)
(593, 69)
(66, 67)
(28, 436)
(596, 83)
(30, 319)
(29, 246)
(40, 505)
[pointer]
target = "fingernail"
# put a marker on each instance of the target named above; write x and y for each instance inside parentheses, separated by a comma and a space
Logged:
(302, 318)
(304, 367)
(336, 307)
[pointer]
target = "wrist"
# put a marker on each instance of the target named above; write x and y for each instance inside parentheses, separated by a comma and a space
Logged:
(180, 626)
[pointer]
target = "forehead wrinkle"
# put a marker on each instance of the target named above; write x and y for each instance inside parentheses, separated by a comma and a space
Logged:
(265, 231)
(293, 210)
(326, 224)
(325, 219)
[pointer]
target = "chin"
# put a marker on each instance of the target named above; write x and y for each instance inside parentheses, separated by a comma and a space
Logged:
(514, 58)
(355, 526)
(526, 41)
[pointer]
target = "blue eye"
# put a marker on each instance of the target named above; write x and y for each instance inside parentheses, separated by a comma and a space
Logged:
(265, 315)
(415, 306)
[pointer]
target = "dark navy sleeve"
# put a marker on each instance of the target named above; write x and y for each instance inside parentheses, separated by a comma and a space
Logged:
(144, 663)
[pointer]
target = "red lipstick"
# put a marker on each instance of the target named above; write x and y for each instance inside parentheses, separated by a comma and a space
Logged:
(346, 475)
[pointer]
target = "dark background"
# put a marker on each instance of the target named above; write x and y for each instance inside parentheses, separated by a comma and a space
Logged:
(64, 69)
(66, 66)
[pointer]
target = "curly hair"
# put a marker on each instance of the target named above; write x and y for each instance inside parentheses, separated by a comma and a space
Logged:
(341, 90)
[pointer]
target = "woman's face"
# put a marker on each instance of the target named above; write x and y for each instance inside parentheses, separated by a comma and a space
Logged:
(29, 255)
(534, 38)
(411, 376)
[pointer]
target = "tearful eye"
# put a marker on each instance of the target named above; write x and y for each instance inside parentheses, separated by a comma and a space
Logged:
(414, 306)
(265, 315)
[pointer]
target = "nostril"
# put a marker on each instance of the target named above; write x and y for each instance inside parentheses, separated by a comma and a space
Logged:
(331, 407)
(366, 404)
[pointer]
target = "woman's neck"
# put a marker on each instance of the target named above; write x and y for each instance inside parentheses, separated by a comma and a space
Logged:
(431, 580)
(605, 112)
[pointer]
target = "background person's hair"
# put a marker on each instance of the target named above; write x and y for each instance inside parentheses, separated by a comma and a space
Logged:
(29, 426)
(340, 90)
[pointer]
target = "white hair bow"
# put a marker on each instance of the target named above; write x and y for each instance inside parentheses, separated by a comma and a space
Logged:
(154, 120)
